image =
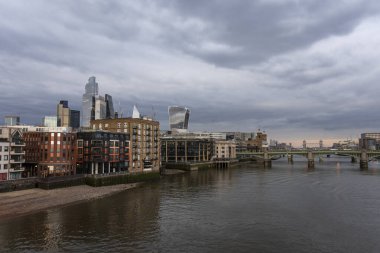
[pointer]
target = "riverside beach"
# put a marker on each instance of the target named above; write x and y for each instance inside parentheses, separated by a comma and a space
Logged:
(18, 203)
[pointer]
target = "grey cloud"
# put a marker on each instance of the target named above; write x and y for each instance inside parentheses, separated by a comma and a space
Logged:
(239, 65)
(259, 28)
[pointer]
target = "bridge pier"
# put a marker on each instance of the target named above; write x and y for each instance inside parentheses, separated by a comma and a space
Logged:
(353, 159)
(267, 160)
(290, 158)
(364, 161)
(310, 160)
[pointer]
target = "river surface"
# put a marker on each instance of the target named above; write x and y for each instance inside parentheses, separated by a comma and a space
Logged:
(288, 208)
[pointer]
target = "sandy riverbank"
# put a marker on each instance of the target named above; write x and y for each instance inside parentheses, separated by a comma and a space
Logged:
(17, 203)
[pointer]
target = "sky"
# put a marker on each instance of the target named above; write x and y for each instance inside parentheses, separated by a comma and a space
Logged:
(297, 69)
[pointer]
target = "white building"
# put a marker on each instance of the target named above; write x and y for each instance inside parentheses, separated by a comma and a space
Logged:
(12, 152)
(225, 149)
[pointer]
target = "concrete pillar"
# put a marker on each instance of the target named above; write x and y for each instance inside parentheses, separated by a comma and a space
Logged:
(290, 158)
(96, 168)
(310, 160)
(92, 169)
(102, 168)
(267, 160)
(109, 167)
(364, 161)
(320, 159)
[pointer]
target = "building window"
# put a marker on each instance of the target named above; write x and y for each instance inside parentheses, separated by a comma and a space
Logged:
(5, 148)
(5, 158)
(119, 125)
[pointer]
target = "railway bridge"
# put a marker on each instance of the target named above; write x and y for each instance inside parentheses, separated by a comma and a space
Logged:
(267, 156)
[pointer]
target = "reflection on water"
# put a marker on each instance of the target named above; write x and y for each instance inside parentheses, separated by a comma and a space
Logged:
(288, 208)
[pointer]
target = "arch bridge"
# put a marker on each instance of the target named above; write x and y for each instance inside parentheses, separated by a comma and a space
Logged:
(364, 156)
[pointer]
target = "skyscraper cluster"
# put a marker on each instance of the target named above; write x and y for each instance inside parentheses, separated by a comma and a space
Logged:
(95, 106)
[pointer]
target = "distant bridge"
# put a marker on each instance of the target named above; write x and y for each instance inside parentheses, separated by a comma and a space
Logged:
(267, 156)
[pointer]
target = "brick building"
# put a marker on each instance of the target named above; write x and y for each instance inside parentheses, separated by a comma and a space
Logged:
(50, 153)
(144, 140)
(100, 152)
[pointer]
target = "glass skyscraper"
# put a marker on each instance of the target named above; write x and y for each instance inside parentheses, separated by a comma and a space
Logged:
(95, 106)
(178, 117)
(110, 113)
(88, 101)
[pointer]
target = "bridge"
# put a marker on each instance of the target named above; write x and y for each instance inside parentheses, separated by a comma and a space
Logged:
(364, 156)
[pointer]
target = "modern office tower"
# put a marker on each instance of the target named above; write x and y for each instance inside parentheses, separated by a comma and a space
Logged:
(144, 138)
(63, 114)
(178, 117)
(49, 121)
(100, 107)
(88, 101)
(74, 118)
(12, 120)
(110, 113)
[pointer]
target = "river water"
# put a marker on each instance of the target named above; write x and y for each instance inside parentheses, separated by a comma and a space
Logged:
(288, 208)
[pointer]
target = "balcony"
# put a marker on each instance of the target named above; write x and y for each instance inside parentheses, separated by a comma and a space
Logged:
(20, 144)
(16, 169)
(17, 161)
(17, 152)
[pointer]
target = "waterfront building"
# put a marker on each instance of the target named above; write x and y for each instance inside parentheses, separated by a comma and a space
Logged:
(100, 152)
(74, 119)
(50, 153)
(49, 121)
(176, 149)
(63, 114)
(12, 120)
(224, 149)
(12, 153)
(258, 143)
(144, 140)
(88, 101)
(370, 141)
(178, 118)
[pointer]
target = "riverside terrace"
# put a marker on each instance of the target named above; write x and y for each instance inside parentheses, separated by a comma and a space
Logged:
(267, 156)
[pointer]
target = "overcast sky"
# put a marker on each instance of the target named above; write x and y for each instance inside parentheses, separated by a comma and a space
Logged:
(299, 69)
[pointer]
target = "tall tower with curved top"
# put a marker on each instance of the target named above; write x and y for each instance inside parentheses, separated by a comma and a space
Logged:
(178, 118)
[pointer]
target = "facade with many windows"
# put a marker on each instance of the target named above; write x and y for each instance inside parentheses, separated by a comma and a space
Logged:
(225, 149)
(144, 140)
(12, 153)
(50, 153)
(191, 150)
(100, 152)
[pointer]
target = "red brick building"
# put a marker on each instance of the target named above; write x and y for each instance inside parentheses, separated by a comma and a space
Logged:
(50, 153)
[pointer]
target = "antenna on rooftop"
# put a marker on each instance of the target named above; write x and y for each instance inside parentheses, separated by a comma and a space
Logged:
(121, 113)
(154, 113)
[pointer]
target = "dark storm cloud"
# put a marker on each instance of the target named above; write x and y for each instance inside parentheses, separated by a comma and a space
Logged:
(309, 66)
(252, 31)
